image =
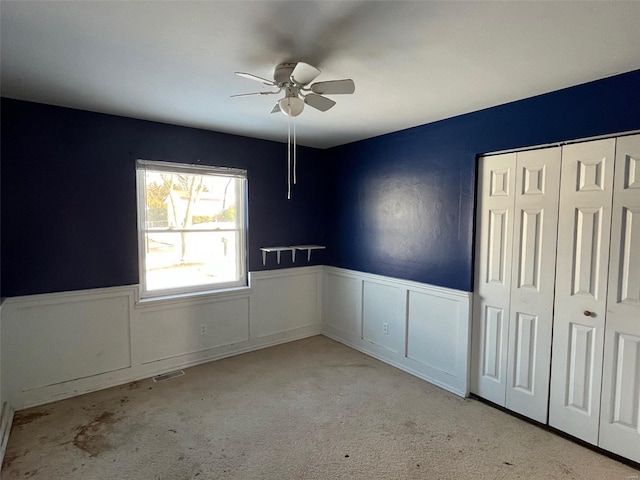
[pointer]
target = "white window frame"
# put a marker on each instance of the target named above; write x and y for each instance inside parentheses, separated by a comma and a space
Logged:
(241, 222)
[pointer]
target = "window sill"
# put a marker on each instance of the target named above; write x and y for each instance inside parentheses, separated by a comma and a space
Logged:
(190, 297)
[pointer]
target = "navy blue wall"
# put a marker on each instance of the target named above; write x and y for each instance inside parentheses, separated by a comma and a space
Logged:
(68, 198)
(399, 205)
(404, 204)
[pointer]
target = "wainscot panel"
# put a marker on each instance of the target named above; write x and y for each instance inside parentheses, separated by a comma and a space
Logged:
(59, 345)
(342, 304)
(183, 329)
(57, 338)
(421, 329)
(282, 301)
(383, 315)
(6, 412)
(6, 418)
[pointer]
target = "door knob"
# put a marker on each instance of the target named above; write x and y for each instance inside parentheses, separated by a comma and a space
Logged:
(587, 313)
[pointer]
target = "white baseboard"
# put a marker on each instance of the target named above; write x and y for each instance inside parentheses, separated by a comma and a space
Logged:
(72, 343)
(54, 393)
(60, 345)
(6, 419)
(372, 352)
(421, 329)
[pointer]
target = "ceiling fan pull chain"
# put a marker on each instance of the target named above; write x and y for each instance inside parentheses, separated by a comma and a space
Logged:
(295, 151)
(289, 159)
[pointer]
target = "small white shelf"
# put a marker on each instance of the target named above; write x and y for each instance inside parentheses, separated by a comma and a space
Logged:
(292, 249)
(278, 251)
(309, 248)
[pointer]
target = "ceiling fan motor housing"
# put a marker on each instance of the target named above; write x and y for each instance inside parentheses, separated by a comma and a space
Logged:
(282, 73)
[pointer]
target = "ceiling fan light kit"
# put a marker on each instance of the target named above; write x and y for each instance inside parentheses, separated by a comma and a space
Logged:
(291, 105)
(294, 80)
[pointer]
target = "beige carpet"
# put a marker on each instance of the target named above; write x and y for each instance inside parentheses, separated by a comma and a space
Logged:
(311, 409)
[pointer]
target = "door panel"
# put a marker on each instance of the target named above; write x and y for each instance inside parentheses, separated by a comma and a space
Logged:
(587, 238)
(581, 286)
(620, 414)
(493, 340)
(496, 252)
(497, 181)
(525, 352)
(580, 363)
(533, 272)
(629, 267)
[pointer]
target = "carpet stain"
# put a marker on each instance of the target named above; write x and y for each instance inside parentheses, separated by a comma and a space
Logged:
(24, 418)
(566, 470)
(412, 428)
(31, 473)
(92, 437)
(134, 385)
(9, 458)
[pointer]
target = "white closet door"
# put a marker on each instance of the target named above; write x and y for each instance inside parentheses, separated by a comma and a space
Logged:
(581, 287)
(494, 237)
(532, 282)
(620, 413)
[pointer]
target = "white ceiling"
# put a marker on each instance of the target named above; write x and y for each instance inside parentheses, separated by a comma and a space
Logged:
(413, 62)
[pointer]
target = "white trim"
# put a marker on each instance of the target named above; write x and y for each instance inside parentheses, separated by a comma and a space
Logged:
(6, 419)
(205, 296)
(196, 169)
(61, 391)
(141, 326)
(68, 296)
(284, 272)
(346, 318)
(560, 144)
(461, 392)
(240, 244)
(411, 284)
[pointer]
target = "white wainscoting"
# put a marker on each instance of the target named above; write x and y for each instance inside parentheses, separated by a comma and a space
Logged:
(421, 329)
(58, 345)
(6, 412)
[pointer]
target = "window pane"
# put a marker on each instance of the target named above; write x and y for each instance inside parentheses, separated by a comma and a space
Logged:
(176, 260)
(183, 201)
(192, 227)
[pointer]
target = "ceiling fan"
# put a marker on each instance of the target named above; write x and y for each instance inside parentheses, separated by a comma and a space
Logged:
(294, 80)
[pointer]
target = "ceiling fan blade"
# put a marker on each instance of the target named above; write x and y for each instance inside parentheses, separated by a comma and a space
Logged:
(256, 78)
(333, 87)
(254, 93)
(276, 108)
(318, 101)
(303, 73)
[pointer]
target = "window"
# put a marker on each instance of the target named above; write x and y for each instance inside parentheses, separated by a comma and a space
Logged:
(191, 228)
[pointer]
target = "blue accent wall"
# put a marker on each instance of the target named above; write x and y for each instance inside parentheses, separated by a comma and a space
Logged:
(400, 204)
(68, 195)
(404, 202)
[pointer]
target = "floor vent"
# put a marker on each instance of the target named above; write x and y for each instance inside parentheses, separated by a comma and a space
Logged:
(167, 376)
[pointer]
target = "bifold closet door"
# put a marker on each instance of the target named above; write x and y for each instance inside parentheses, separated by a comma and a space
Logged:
(581, 286)
(515, 268)
(620, 411)
(492, 292)
(532, 282)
